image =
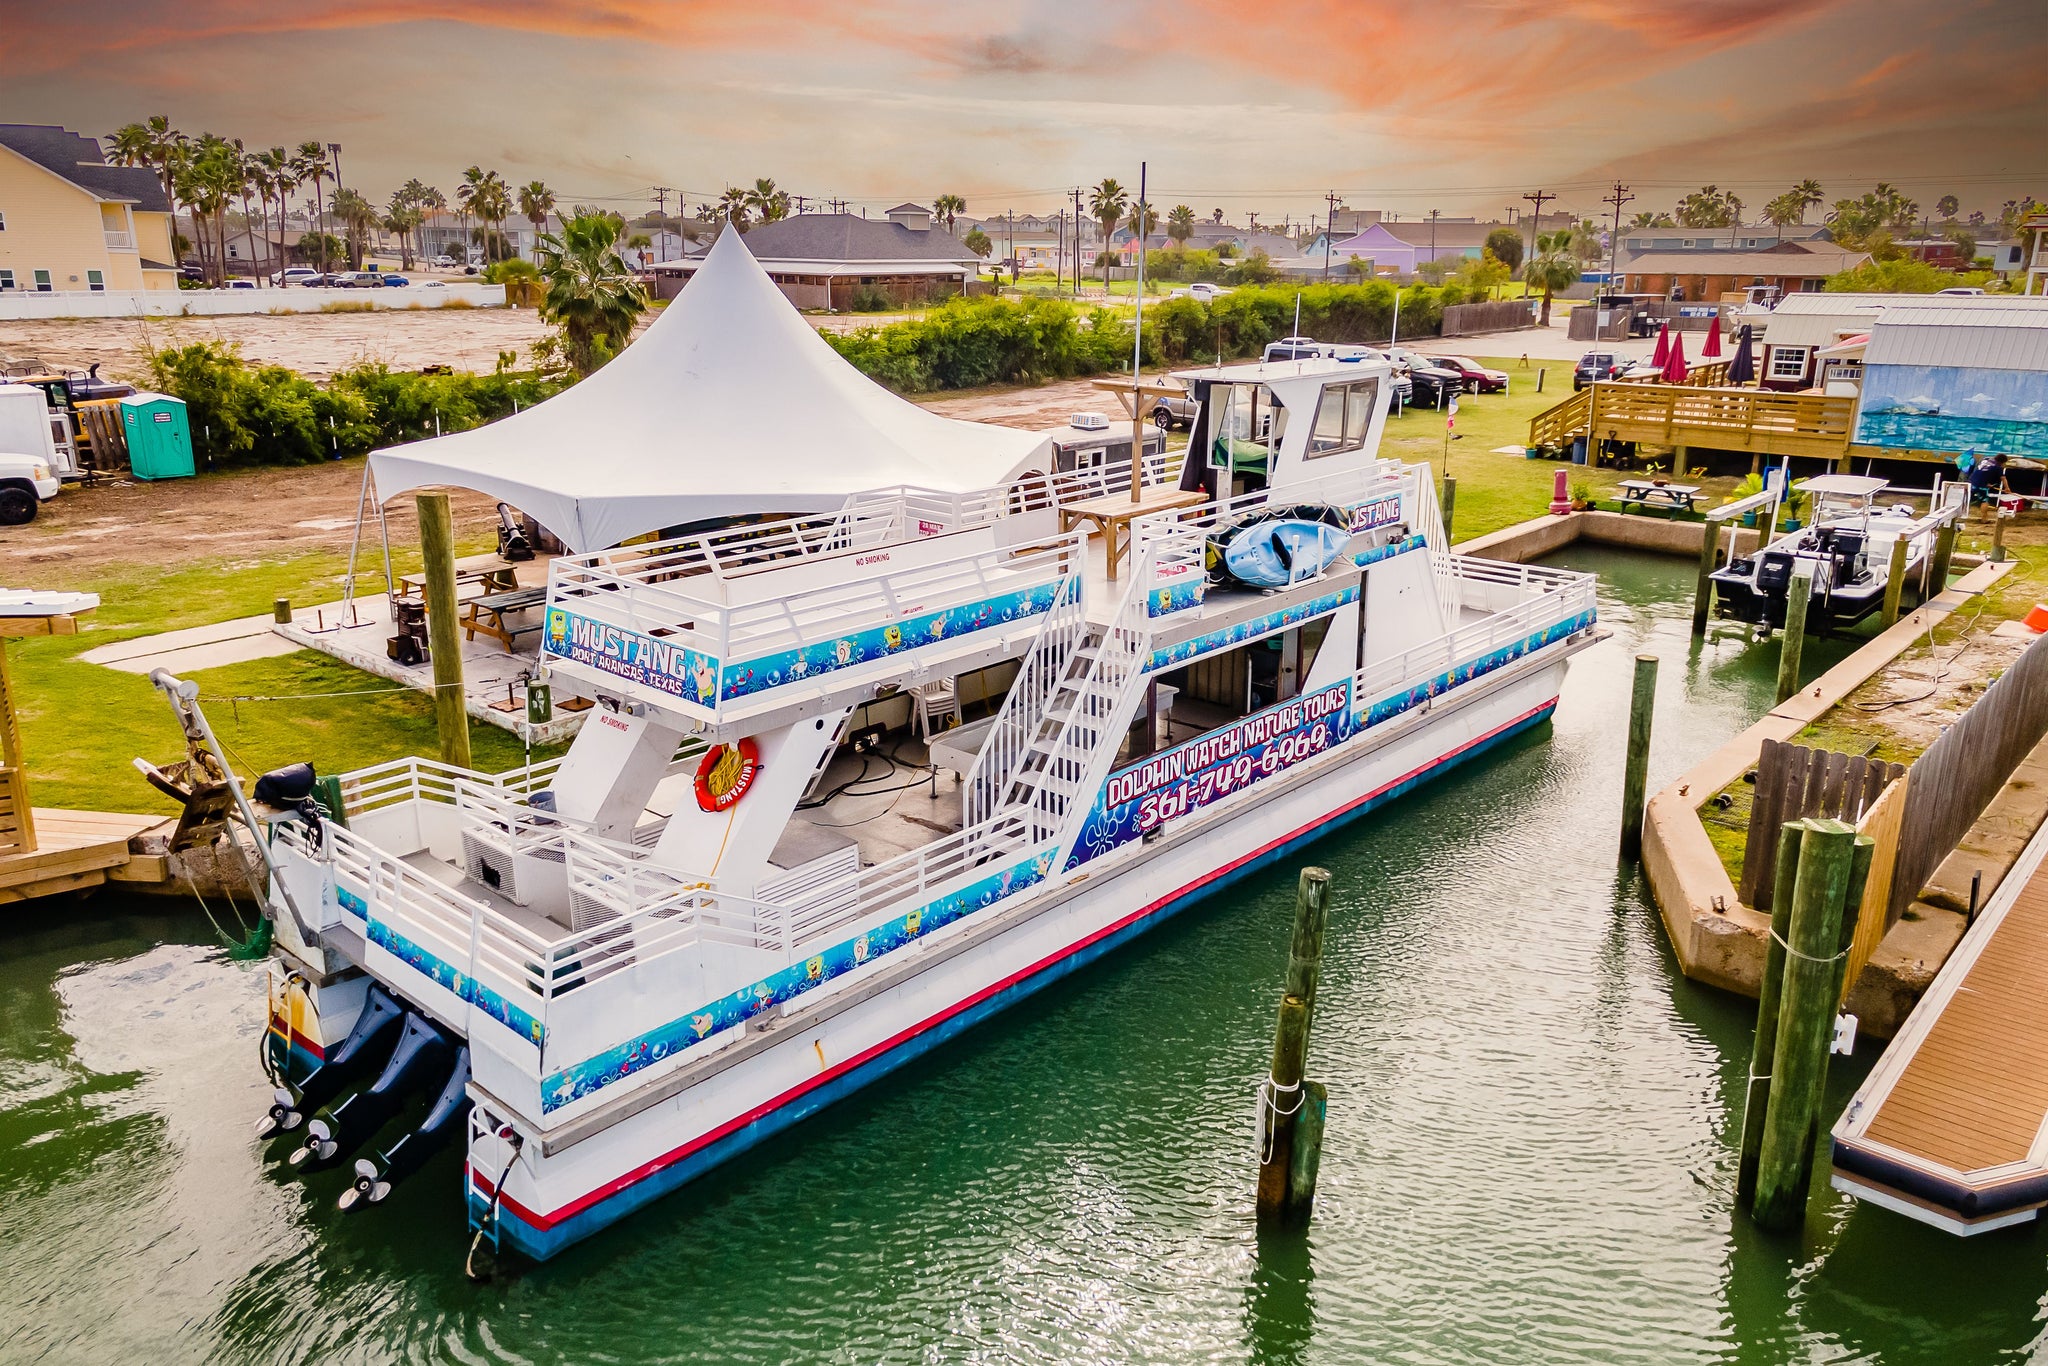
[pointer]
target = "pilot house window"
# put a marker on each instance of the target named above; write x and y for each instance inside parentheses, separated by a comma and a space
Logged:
(1343, 417)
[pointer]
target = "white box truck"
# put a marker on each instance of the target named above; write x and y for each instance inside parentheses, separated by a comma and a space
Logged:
(28, 454)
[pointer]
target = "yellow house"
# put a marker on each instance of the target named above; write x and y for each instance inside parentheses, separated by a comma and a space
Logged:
(69, 221)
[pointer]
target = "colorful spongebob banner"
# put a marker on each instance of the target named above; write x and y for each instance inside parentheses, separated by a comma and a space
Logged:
(1211, 767)
(662, 665)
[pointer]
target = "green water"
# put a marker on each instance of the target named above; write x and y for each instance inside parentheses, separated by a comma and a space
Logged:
(1528, 1156)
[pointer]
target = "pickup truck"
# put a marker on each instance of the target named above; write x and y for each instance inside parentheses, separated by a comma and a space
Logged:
(26, 483)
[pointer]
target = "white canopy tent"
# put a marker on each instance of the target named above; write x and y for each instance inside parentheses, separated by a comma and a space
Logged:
(729, 405)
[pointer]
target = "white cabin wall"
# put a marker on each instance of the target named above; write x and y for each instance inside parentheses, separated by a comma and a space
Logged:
(611, 770)
(1400, 606)
(732, 846)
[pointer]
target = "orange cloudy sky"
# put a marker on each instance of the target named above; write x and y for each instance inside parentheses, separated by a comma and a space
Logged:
(1241, 104)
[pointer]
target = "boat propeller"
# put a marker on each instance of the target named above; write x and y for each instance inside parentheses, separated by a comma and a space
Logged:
(335, 1132)
(375, 1023)
(375, 1176)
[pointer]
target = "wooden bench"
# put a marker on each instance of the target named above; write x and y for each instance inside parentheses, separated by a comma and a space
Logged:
(487, 615)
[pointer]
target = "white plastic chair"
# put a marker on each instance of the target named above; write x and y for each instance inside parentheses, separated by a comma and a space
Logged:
(939, 697)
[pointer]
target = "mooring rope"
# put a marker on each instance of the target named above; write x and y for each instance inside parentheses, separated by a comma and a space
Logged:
(1269, 1111)
(1807, 957)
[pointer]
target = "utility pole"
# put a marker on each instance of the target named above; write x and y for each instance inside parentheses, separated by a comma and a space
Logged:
(1329, 234)
(1434, 214)
(1059, 250)
(1619, 197)
(1536, 219)
(661, 194)
(1077, 241)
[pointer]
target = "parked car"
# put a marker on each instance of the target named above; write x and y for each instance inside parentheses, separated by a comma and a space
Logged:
(1432, 383)
(1174, 410)
(191, 272)
(1596, 365)
(443, 262)
(293, 275)
(1402, 390)
(1295, 348)
(393, 280)
(1968, 291)
(238, 284)
(359, 279)
(26, 483)
(1478, 379)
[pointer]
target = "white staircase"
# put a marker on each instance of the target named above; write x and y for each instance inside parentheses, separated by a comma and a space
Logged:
(1080, 724)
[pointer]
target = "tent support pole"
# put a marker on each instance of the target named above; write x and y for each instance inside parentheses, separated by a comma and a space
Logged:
(355, 540)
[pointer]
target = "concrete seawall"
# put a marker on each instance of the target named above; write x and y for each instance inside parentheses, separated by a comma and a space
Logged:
(1540, 536)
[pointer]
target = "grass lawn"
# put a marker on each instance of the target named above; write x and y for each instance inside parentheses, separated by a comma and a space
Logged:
(1497, 490)
(82, 723)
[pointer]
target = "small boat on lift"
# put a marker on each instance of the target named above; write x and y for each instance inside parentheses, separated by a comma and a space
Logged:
(1848, 547)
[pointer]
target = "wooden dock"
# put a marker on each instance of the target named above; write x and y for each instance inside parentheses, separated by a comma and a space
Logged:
(1951, 1127)
(78, 849)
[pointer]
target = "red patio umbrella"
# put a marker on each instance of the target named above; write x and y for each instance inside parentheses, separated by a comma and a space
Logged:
(1674, 364)
(1712, 350)
(1663, 351)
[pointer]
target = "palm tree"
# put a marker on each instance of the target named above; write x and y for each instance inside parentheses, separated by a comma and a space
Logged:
(1810, 197)
(1180, 223)
(1555, 266)
(246, 169)
(947, 209)
(732, 207)
(208, 180)
(1215, 215)
(275, 180)
(536, 202)
(309, 163)
(402, 218)
(591, 295)
(1948, 206)
(430, 200)
(491, 202)
(465, 201)
(357, 217)
(1107, 204)
(771, 204)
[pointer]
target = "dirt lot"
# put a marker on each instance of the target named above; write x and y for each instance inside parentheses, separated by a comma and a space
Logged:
(265, 514)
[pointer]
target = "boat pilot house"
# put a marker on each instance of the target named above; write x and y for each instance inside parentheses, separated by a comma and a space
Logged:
(865, 759)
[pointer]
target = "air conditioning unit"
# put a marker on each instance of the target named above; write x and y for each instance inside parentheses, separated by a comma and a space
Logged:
(536, 878)
(1090, 422)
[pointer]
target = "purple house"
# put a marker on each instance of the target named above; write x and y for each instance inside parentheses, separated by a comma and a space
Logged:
(1381, 247)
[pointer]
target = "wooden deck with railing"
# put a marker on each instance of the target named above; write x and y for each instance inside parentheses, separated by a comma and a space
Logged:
(1684, 415)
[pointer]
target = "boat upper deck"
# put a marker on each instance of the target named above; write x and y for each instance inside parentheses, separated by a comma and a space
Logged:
(1951, 1127)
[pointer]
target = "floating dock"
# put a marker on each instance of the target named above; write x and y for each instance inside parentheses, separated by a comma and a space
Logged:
(1951, 1128)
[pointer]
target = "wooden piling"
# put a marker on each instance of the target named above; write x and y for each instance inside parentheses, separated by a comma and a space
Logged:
(444, 634)
(281, 611)
(1703, 591)
(1757, 1091)
(1895, 581)
(1806, 1011)
(1944, 550)
(1997, 537)
(1797, 596)
(1636, 771)
(1450, 503)
(1293, 1131)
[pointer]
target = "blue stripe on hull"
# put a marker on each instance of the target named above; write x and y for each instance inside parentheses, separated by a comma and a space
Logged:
(540, 1244)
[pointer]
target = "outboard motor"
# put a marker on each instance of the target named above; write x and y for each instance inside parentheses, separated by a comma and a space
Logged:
(1773, 572)
(332, 1134)
(373, 1029)
(375, 1176)
(513, 543)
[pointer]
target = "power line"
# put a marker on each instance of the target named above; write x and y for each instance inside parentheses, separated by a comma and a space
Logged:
(1617, 198)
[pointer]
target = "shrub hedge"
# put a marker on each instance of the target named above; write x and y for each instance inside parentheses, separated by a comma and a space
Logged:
(966, 343)
(243, 414)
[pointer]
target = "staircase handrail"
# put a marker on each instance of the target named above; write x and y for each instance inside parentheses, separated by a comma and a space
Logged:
(1024, 708)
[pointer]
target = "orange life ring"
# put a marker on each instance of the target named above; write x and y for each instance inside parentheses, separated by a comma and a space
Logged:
(726, 772)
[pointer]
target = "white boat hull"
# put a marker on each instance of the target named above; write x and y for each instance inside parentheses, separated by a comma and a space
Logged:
(575, 1180)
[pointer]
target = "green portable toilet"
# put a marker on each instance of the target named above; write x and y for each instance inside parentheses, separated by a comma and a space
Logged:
(159, 436)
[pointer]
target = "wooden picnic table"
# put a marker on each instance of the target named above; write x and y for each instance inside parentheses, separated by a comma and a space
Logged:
(487, 614)
(1114, 512)
(1645, 492)
(491, 573)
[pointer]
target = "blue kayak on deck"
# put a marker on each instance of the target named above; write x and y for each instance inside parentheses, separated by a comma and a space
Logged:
(1275, 554)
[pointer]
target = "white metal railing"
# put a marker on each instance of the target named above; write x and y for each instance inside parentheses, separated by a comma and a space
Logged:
(414, 779)
(1557, 596)
(1023, 714)
(1035, 492)
(120, 241)
(638, 598)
